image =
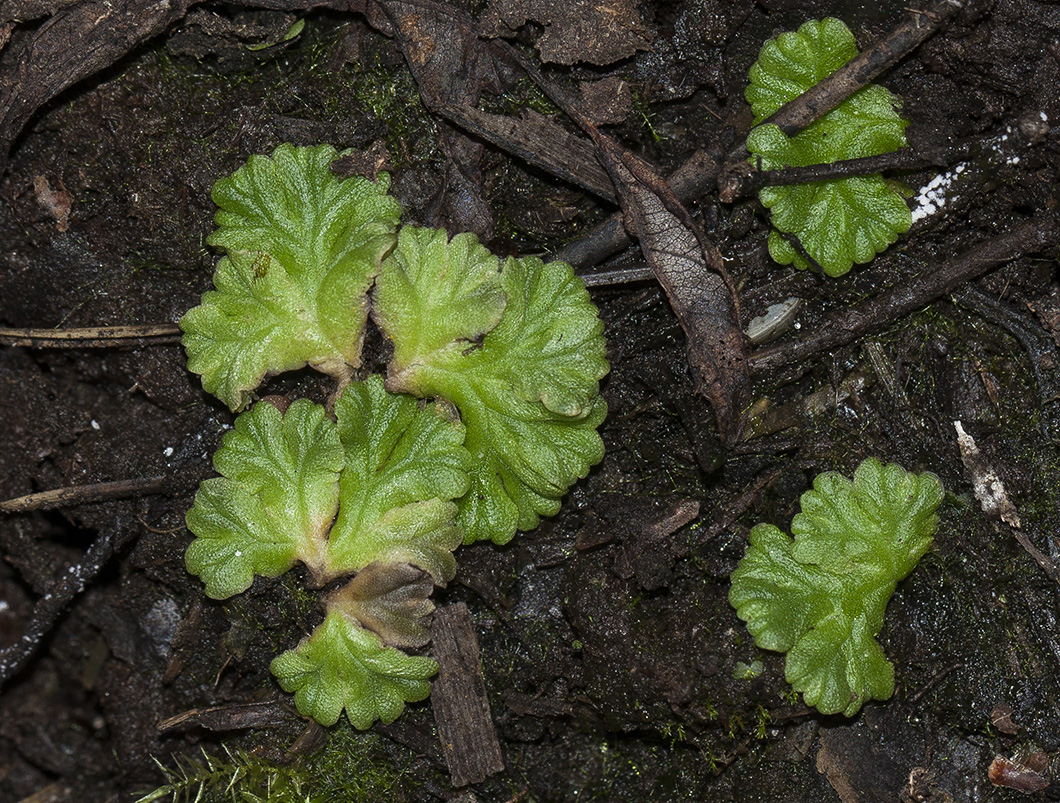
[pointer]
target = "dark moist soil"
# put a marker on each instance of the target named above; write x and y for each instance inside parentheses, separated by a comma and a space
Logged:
(610, 655)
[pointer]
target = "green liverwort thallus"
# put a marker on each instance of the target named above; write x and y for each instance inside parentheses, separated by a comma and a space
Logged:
(821, 596)
(379, 491)
(837, 222)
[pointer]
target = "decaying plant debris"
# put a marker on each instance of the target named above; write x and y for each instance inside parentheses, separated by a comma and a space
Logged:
(613, 666)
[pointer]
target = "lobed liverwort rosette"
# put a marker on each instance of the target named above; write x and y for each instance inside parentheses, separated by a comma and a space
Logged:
(379, 489)
(821, 596)
(841, 221)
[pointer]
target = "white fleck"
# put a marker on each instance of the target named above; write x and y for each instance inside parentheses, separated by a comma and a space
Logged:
(1044, 116)
(239, 553)
(95, 424)
(932, 196)
(1013, 160)
(987, 486)
(72, 569)
(3, 605)
(168, 451)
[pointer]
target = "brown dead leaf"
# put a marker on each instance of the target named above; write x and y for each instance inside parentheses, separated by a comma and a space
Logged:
(1024, 773)
(366, 163)
(691, 272)
(449, 61)
(689, 268)
(231, 717)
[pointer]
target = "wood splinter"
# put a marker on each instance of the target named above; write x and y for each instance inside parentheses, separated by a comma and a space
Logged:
(461, 707)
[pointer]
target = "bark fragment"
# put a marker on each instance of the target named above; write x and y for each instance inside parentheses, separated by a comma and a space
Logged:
(461, 707)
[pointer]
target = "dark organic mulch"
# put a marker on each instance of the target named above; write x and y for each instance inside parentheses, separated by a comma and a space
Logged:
(608, 648)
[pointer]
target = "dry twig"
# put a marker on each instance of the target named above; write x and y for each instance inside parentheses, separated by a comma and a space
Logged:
(90, 336)
(71, 583)
(461, 707)
(878, 312)
(83, 494)
(51, 605)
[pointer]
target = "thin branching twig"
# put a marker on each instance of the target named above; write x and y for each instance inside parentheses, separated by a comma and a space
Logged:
(879, 311)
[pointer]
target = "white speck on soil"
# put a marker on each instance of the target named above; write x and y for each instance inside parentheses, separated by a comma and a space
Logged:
(932, 196)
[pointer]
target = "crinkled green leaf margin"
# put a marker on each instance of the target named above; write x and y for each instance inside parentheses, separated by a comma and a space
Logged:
(516, 346)
(527, 389)
(274, 501)
(372, 491)
(821, 597)
(403, 464)
(837, 222)
(302, 248)
(344, 666)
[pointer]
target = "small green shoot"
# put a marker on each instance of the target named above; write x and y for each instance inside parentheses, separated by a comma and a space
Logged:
(302, 248)
(837, 222)
(821, 597)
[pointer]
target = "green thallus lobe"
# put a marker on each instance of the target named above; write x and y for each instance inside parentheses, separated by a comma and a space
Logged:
(302, 247)
(837, 222)
(821, 596)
